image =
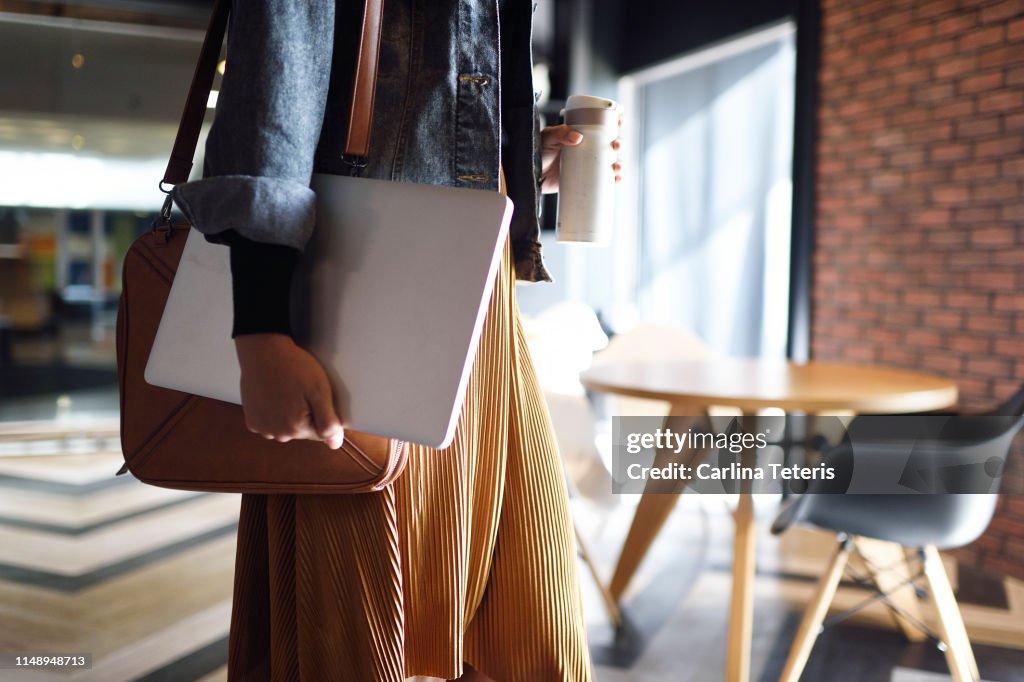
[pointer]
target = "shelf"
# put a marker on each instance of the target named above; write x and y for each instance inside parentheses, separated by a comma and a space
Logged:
(12, 251)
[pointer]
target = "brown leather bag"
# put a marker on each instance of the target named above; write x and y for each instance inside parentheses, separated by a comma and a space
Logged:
(177, 440)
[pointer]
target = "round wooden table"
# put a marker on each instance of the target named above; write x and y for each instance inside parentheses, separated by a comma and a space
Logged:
(751, 385)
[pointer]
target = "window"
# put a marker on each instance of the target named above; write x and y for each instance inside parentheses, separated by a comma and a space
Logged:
(712, 205)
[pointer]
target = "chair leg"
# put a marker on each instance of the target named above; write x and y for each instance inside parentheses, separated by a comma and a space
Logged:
(610, 605)
(887, 564)
(810, 626)
(959, 655)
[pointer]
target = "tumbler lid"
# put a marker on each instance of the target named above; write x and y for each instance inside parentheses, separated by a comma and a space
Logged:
(589, 110)
(589, 102)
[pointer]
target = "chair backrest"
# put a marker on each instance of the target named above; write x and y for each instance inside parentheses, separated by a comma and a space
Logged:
(562, 341)
(956, 463)
(927, 453)
(957, 454)
(650, 343)
(1013, 407)
(654, 342)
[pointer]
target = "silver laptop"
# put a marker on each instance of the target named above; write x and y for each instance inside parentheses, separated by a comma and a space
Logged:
(394, 313)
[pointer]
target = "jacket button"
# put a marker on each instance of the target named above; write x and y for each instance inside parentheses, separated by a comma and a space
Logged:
(479, 80)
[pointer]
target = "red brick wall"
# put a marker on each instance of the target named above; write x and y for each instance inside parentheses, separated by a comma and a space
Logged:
(919, 256)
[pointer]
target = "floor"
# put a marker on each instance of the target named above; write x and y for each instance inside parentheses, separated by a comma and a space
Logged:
(676, 612)
(140, 578)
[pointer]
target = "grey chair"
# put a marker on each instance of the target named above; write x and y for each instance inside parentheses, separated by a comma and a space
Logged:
(958, 461)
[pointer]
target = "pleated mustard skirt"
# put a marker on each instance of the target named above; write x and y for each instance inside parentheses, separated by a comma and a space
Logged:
(468, 556)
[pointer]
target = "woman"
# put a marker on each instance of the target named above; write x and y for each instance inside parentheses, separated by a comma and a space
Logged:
(465, 565)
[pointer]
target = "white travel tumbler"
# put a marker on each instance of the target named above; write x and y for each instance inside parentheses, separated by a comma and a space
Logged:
(586, 181)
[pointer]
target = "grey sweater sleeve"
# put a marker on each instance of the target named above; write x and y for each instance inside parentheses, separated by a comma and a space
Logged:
(260, 150)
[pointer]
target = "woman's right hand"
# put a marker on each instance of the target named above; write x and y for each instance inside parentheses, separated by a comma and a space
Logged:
(286, 394)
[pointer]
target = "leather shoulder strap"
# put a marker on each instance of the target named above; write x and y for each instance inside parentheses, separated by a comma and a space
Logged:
(364, 87)
(180, 164)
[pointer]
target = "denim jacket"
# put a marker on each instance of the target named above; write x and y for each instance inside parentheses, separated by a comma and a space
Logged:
(454, 100)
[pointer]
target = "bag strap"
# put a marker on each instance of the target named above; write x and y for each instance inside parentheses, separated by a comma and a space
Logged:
(357, 142)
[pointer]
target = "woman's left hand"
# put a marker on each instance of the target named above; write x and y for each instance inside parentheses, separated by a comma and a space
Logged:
(552, 139)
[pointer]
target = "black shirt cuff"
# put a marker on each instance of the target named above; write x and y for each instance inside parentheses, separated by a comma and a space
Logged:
(261, 281)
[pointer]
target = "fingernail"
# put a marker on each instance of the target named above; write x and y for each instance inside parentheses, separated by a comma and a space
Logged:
(575, 136)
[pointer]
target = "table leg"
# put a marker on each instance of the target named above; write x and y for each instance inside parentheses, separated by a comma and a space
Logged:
(651, 513)
(655, 506)
(741, 610)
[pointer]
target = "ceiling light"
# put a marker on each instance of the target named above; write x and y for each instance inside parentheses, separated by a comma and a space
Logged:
(82, 181)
